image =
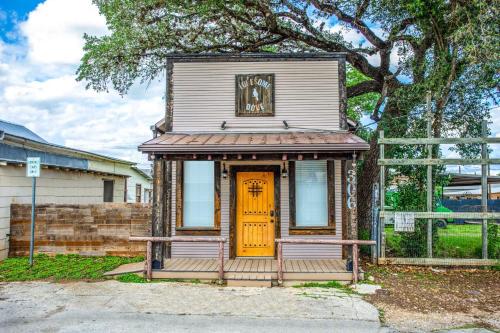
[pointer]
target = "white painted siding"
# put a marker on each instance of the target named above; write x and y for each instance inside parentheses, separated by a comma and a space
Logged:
(134, 179)
(54, 186)
(306, 95)
(208, 250)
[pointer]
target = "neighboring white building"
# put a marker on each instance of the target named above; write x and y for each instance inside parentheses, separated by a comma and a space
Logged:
(68, 176)
(139, 186)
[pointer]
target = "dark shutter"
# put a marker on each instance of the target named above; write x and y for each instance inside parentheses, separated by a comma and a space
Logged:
(108, 190)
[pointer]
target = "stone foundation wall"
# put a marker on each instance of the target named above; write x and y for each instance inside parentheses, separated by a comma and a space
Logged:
(94, 229)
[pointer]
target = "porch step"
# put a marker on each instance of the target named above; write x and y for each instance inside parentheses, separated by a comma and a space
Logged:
(237, 279)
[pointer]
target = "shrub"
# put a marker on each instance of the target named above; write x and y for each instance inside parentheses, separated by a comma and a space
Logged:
(493, 241)
(414, 244)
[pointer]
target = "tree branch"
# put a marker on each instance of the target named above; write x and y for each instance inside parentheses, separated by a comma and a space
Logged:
(354, 22)
(363, 88)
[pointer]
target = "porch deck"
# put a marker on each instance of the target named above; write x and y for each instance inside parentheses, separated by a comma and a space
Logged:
(242, 271)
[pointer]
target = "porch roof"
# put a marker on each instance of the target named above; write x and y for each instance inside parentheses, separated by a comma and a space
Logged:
(258, 142)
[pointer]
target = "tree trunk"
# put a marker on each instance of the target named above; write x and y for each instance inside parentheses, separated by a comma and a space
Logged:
(369, 174)
(367, 177)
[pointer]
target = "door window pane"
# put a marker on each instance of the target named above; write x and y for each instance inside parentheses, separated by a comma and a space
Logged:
(198, 192)
(311, 194)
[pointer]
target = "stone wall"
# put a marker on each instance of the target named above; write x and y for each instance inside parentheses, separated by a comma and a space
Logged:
(94, 229)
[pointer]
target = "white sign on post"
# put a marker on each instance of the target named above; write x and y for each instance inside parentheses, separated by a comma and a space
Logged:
(33, 167)
(404, 221)
(33, 171)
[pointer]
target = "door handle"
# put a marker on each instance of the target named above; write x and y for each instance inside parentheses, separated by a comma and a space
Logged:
(271, 213)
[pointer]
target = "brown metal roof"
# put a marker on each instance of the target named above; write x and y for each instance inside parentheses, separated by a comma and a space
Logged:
(255, 142)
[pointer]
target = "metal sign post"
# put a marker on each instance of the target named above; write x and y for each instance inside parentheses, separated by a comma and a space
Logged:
(33, 171)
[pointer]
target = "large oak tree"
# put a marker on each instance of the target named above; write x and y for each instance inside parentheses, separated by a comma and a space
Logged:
(449, 47)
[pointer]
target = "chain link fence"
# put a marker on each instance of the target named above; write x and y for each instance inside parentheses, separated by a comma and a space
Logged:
(452, 238)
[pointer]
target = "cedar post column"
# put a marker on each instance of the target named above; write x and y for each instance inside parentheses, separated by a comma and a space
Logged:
(158, 215)
(352, 202)
(345, 218)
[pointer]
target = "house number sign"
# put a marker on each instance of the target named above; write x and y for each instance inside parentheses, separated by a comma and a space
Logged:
(254, 95)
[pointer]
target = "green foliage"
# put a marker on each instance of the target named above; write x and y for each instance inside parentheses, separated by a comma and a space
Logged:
(60, 267)
(456, 241)
(131, 278)
(414, 244)
(329, 284)
(134, 278)
(363, 104)
(493, 241)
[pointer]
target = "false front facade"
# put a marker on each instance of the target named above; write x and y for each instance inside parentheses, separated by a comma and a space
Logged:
(253, 148)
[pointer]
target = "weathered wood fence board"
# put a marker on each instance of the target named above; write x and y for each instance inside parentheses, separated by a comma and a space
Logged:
(94, 229)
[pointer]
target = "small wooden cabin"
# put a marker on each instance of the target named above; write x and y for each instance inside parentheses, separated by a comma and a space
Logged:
(253, 148)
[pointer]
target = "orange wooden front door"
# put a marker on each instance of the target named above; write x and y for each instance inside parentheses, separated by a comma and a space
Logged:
(255, 214)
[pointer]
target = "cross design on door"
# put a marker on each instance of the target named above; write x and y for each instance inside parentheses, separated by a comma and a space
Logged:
(255, 189)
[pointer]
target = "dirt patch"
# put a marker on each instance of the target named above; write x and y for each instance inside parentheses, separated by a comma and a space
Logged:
(424, 297)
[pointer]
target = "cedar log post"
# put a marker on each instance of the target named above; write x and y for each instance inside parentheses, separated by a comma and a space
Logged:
(280, 263)
(221, 262)
(149, 271)
(354, 198)
(157, 217)
(355, 263)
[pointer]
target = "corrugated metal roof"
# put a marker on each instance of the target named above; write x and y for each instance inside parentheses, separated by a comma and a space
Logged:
(20, 131)
(19, 154)
(255, 142)
(458, 179)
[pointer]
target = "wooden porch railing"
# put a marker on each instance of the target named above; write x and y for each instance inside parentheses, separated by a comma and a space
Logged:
(149, 247)
(353, 243)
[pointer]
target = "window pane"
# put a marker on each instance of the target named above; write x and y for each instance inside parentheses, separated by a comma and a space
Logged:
(311, 193)
(198, 194)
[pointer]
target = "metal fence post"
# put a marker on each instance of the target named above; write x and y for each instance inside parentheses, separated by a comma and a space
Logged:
(381, 248)
(429, 177)
(33, 212)
(484, 188)
(375, 222)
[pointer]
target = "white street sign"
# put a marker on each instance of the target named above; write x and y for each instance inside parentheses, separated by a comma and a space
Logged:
(33, 167)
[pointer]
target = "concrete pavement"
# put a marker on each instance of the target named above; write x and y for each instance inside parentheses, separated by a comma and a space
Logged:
(112, 306)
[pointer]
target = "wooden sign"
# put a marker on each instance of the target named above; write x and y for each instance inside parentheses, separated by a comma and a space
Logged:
(254, 95)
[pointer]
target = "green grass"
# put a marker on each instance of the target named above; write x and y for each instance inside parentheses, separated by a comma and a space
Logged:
(134, 278)
(131, 278)
(455, 241)
(60, 267)
(329, 284)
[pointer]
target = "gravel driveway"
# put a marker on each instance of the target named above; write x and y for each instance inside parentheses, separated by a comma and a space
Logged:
(113, 306)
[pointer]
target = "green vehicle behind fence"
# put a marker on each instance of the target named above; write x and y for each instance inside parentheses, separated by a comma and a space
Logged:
(391, 198)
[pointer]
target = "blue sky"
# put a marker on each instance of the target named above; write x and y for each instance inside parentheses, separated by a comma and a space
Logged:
(13, 11)
(40, 49)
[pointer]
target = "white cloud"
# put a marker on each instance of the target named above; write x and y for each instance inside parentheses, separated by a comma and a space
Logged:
(55, 29)
(349, 35)
(38, 87)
